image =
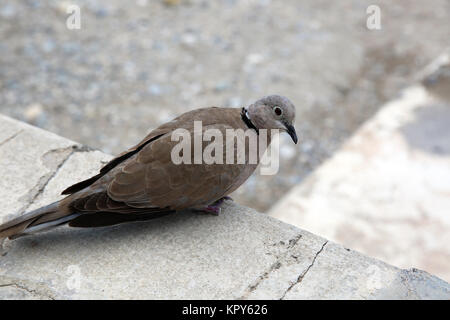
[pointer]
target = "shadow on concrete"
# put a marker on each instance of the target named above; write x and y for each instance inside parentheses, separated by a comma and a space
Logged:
(430, 132)
(86, 239)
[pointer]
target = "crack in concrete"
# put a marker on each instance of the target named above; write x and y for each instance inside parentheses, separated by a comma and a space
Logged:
(303, 274)
(275, 266)
(44, 180)
(28, 290)
(82, 148)
(405, 281)
(261, 278)
(33, 194)
(11, 137)
(292, 242)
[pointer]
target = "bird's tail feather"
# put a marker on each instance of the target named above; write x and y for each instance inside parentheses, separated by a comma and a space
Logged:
(23, 225)
(54, 215)
(103, 219)
(45, 226)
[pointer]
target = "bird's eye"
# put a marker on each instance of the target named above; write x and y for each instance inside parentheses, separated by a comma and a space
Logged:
(277, 110)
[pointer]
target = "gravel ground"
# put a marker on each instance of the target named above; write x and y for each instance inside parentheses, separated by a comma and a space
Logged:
(134, 65)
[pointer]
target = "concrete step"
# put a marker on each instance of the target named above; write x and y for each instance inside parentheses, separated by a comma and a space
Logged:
(386, 192)
(240, 254)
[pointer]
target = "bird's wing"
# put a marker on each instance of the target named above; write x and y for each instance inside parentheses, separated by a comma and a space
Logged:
(151, 178)
(146, 177)
(184, 120)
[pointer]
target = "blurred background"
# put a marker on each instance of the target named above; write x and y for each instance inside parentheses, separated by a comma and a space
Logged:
(134, 65)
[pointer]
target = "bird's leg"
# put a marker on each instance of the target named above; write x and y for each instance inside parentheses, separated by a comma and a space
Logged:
(214, 208)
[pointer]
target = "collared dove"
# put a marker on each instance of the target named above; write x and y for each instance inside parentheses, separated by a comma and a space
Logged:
(144, 182)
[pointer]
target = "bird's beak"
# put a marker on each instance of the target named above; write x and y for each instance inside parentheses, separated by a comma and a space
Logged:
(291, 131)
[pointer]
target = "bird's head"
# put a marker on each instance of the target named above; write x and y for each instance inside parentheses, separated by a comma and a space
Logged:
(273, 112)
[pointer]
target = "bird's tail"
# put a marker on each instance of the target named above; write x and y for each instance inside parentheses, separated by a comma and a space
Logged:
(60, 212)
(35, 221)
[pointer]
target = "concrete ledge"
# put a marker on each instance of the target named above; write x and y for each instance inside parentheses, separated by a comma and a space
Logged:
(239, 255)
(385, 192)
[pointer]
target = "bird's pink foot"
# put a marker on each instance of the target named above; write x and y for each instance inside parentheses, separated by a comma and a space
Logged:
(214, 208)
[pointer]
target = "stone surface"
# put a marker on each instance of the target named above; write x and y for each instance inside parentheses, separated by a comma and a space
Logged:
(386, 192)
(31, 160)
(341, 273)
(240, 254)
